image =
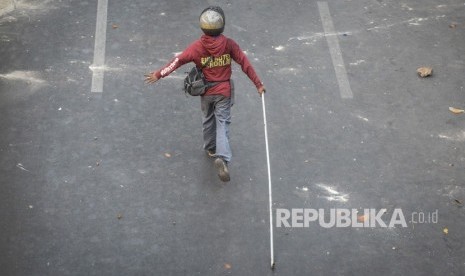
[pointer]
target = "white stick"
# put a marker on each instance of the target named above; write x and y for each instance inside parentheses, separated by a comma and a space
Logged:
(269, 184)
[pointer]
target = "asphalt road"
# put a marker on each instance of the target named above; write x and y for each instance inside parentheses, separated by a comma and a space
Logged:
(115, 181)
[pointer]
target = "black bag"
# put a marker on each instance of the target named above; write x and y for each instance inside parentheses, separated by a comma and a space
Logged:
(195, 83)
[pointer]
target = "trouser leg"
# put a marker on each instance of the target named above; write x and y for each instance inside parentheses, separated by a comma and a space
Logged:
(223, 120)
(208, 123)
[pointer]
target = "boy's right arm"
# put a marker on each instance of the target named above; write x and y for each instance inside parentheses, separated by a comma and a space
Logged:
(151, 78)
(175, 63)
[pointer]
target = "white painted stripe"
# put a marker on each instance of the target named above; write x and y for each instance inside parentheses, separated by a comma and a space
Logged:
(99, 49)
(335, 51)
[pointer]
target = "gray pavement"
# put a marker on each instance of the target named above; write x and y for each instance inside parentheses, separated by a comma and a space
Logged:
(116, 182)
(6, 6)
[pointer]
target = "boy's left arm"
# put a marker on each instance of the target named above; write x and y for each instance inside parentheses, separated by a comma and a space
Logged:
(239, 57)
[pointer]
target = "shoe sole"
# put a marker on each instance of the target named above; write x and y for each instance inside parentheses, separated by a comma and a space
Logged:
(223, 172)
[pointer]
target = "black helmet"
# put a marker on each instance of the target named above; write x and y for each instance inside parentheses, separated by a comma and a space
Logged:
(212, 21)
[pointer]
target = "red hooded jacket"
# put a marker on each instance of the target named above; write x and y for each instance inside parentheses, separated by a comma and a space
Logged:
(222, 50)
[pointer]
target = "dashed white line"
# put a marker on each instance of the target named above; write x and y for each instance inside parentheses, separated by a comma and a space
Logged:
(335, 51)
(98, 67)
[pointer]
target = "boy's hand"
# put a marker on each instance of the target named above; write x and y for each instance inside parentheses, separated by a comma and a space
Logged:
(150, 78)
(261, 90)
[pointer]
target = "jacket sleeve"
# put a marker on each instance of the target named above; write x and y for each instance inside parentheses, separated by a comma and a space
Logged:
(239, 57)
(183, 58)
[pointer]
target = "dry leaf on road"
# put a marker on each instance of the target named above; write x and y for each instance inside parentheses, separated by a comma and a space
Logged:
(456, 110)
(425, 71)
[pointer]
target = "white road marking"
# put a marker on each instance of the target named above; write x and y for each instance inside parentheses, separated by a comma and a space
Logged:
(335, 51)
(19, 165)
(458, 136)
(98, 67)
(332, 194)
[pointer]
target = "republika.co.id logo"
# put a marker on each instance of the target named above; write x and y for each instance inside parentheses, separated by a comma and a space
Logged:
(341, 217)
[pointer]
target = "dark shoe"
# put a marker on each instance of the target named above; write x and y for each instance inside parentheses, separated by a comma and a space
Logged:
(222, 168)
(210, 153)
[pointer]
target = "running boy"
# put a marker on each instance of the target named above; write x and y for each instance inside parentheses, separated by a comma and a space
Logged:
(214, 51)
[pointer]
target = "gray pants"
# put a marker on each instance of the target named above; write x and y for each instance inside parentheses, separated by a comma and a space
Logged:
(216, 119)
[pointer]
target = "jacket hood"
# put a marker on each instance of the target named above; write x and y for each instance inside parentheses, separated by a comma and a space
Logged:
(215, 45)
